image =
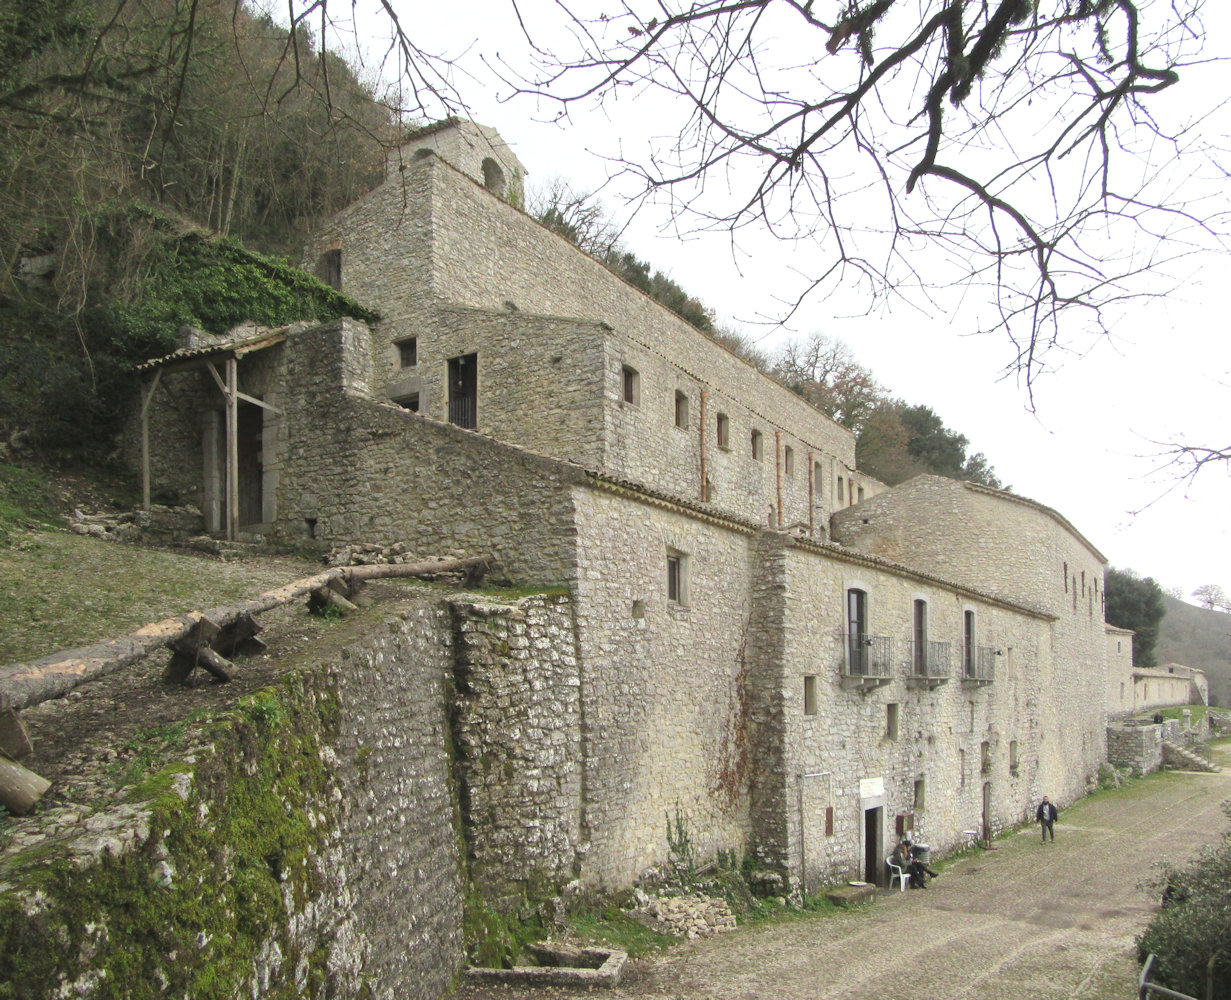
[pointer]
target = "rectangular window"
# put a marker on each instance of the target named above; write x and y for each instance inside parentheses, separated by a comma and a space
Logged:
(860, 494)
(920, 794)
(724, 432)
(788, 461)
(408, 352)
(758, 447)
(961, 768)
(681, 409)
(985, 757)
(631, 385)
(816, 480)
(1013, 756)
(856, 631)
(677, 577)
(921, 638)
(841, 490)
(809, 694)
(891, 721)
(968, 649)
(410, 402)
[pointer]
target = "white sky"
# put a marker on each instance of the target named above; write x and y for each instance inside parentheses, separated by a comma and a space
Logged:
(1089, 448)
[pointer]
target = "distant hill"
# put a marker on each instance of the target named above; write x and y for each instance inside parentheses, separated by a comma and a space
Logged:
(1198, 638)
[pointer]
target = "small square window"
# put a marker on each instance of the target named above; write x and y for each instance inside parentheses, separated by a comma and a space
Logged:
(724, 431)
(631, 385)
(408, 352)
(810, 694)
(758, 446)
(681, 409)
(788, 460)
(410, 402)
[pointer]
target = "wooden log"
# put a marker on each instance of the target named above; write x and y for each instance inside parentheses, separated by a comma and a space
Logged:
(385, 570)
(324, 598)
(20, 788)
(14, 740)
(240, 636)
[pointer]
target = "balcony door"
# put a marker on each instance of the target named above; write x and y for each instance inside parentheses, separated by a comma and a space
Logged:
(857, 630)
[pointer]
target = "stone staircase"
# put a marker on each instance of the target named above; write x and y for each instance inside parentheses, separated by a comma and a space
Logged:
(1181, 758)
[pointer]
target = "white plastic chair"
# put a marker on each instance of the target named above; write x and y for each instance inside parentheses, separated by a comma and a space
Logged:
(896, 871)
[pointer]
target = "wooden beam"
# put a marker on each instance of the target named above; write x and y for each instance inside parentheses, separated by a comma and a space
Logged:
(258, 402)
(232, 450)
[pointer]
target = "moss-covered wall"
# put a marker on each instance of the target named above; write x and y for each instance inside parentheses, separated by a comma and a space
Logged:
(303, 844)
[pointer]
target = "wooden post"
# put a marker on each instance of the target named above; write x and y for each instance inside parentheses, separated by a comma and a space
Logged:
(147, 395)
(232, 449)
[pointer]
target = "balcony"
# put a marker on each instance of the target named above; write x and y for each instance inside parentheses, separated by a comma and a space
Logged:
(867, 661)
(930, 664)
(978, 665)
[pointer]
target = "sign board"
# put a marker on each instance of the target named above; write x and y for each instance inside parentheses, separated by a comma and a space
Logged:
(870, 788)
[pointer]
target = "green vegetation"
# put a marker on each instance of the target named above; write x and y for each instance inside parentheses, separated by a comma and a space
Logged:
(245, 834)
(604, 923)
(26, 501)
(1190, 937)
(1135, 602)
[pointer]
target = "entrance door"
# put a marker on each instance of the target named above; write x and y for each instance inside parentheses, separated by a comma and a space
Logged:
(873, 845)
(987, 812)
(464, 390)
(249, 429)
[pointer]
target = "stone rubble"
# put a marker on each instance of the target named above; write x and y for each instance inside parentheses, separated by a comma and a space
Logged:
(687, 916)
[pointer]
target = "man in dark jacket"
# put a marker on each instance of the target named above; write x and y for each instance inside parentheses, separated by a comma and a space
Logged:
(1046, 815)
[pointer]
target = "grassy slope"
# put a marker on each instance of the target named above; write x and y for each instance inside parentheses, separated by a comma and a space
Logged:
(59, 590)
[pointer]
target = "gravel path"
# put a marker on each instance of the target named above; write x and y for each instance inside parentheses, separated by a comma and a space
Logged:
(1024, 921)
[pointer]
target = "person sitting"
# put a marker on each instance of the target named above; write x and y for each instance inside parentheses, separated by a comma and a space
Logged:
(916, 859)
(904, 858)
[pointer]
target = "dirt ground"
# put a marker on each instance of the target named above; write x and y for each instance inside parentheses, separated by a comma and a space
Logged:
(1025, 921)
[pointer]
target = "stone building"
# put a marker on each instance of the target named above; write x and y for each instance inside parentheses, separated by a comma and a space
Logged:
(797, 661)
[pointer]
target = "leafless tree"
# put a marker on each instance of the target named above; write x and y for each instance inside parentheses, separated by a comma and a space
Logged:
(918, 146)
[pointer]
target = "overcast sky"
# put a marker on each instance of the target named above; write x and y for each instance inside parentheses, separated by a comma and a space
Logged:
(1089, 448)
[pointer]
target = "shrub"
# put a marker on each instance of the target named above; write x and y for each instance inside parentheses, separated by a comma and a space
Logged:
(1191, 937)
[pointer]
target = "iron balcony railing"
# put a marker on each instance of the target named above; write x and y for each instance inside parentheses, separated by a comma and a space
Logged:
(867, 655)
(929, 659)
(978, 663)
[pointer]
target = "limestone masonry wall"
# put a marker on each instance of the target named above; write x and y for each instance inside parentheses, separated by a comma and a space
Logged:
(301, 844)
(518, 739)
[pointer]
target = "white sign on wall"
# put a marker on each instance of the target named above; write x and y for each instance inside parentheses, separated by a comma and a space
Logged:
(870, 788)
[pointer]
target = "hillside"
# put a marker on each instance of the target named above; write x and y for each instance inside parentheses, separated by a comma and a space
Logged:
(1198, 638)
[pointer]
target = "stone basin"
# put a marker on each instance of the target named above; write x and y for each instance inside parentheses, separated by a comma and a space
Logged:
(559, 966)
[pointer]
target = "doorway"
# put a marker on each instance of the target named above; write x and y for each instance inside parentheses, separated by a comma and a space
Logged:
(464, 391)
(873, 844)
(987, 812)
(249, 434)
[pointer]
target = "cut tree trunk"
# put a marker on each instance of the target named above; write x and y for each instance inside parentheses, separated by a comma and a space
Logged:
(20, 788)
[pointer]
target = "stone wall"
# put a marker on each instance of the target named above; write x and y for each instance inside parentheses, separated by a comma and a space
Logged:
(357, 470)
(663, 682)
(1137, 747)
(301, 844)
(1022, 552)
(923, 748)
(460, 271)
(517, 735)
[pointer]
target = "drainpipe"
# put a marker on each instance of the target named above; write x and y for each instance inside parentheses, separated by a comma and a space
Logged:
(705, 491)
(778, 465)
(811, 496)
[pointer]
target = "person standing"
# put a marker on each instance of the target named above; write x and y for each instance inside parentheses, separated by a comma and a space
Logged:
(1046, 815)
